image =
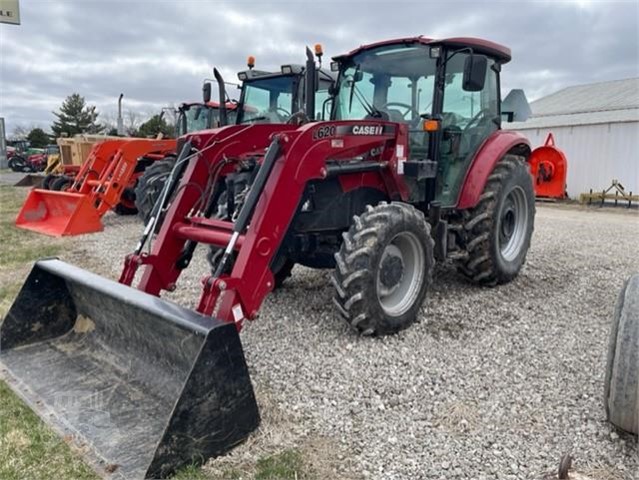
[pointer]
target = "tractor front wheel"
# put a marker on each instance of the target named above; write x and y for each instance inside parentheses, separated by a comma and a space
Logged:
(498, 230)
(127, 203)
(384, 268)
(150, 186)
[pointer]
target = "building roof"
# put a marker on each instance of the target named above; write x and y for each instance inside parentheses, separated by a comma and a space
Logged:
(604, 102)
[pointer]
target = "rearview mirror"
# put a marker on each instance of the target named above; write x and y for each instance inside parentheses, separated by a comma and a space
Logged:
(206, 92)
(474, 73)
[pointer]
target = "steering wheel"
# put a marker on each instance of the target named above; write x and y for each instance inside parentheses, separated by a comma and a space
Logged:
(285, 113)
(476, 118)
(298, 118)
(409, 108)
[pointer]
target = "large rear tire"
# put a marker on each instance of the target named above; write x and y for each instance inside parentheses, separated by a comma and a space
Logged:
(497, 232)
(150, 186)
(621, 385)
(61, 183)
(384, 269)
(48, 180)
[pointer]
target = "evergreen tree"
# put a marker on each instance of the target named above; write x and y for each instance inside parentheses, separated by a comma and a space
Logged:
(38, 138)
(75, 117)
(154, 125)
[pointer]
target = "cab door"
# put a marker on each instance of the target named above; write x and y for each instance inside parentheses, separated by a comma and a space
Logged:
(468, 118)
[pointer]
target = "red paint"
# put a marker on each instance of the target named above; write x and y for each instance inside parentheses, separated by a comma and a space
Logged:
(479, 45)
(302, 159)
(491, 151)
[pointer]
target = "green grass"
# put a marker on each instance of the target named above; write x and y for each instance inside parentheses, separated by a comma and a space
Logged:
(286, 465)
(29, 449)
(282, 466)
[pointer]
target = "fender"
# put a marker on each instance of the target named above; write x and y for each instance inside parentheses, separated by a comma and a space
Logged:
(491, 151)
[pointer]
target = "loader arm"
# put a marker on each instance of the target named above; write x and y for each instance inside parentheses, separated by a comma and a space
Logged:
(302, 156)
(162, 267)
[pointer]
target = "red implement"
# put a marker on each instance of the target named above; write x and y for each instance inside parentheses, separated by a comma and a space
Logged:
(548, 167)
(111, 167)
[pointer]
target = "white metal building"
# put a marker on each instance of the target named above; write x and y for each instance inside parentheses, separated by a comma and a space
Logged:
(597, 127)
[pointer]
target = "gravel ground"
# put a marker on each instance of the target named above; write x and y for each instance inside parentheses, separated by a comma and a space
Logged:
(490, 384)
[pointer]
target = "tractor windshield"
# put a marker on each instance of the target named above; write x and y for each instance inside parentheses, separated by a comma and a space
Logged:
(393, 82)
(193, 118)
(269, 100)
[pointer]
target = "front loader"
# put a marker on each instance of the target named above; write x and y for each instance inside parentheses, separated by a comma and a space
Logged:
(412, 167)
(265, 97)
(76, 205)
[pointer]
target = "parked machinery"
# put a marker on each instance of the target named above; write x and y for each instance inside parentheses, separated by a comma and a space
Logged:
(412, 167)
(265, 97)
(549, 168)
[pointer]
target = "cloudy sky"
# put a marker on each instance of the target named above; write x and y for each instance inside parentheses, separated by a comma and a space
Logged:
(158, 52)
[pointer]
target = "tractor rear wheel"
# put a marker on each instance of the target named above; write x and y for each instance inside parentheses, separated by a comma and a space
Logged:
(498, 230)
(48, 180)
(384, 268)
(61, 183)
(150, 186)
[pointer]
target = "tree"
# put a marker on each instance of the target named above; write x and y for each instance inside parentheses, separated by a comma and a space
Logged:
(20, 132)
(38, 138)
(75, 117)
(154, 125)
(131, 122)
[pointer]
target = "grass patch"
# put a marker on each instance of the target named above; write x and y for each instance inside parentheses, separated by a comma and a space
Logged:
(29, 449)
(282, 466)
(7, 293)
(191, 472)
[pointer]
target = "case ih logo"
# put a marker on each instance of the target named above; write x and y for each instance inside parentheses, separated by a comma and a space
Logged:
(368, 130)
(328, 131)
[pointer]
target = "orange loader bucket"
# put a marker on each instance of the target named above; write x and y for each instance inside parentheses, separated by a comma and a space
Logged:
(548, 167)
(96, 188)
(58, 213)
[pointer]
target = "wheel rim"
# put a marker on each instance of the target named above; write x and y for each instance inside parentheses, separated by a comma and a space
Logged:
(400, 274)
(513, 224)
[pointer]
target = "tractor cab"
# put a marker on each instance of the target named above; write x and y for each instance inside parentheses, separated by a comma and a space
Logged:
(193, 117)
(445, 91)
(279, 97)
(275, 97)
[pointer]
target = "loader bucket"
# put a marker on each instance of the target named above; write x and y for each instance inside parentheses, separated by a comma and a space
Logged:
(58, 213)
(140, 385)
(30, 180)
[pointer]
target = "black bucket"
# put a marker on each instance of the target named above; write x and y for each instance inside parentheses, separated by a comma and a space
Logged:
(141, 385)
(30, 180)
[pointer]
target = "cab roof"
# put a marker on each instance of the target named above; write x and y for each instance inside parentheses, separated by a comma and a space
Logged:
(229, 105)
(501, 53)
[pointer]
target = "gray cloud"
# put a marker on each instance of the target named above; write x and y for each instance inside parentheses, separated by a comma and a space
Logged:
(158, 52)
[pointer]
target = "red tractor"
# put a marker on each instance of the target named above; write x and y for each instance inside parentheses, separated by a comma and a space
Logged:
(412, 167)
(265, 97)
